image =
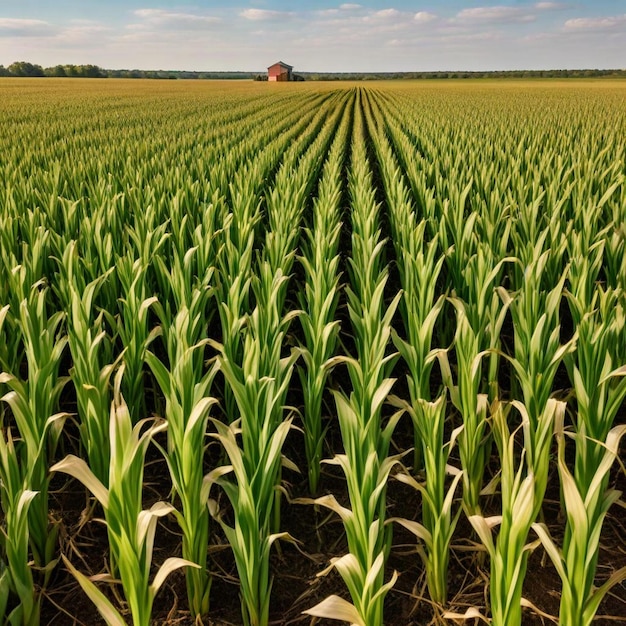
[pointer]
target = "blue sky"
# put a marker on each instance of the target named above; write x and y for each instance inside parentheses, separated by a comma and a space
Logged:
(368, 35)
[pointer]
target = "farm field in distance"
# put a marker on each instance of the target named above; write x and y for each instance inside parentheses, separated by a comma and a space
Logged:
(346, 351)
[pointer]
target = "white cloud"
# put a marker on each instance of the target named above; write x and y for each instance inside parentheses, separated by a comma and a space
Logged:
(462, 39)
(17, 23)
(550, 6)
(161, 17)
(16, 27)
(423, 17)
(495, 14)
(259, 15)
(616, 22)
(83, 31)
(386, 14)
(343, 8)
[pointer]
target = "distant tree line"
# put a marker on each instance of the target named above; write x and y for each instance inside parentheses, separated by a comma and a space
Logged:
(589, 73)
(24, 68)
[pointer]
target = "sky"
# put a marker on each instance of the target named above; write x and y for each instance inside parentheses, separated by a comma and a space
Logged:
(324, 36)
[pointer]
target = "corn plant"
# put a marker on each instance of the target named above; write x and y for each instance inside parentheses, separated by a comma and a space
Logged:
(586, 510)
(19, 597)
(93, 362)
(473, 406)
(318, 301)
(131, 530)
(232, 294)
(420, 307)
(186, 387)
(187, 427)
(419, 265)
(480, 316)
(321, 331)
(98, 246)
(259, 386)
(484, 309)
(252, 496)
(132, 327)
(614, 262)
(33, 403)
(148, 237)
(585, 264)
(10, 341)
(538, 350)
(27, 268)
(438, 520)
(510, 550)
(457, 232)
(23, 462)
(362, 568)
(599, 393)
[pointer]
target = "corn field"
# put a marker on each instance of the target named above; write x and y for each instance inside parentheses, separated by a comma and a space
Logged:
(312, 353)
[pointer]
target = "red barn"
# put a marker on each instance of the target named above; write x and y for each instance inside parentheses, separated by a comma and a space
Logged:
(279, 72)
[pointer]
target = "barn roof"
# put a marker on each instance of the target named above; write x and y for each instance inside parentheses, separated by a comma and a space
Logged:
(289, 67)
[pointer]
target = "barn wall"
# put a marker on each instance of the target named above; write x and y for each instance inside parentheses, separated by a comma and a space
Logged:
(277, 73)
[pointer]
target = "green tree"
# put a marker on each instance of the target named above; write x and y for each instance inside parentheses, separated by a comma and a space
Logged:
(24, 68)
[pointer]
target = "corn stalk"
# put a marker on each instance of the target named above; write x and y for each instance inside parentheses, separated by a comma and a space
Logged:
(259, 387)
(510, 550)
(33, 403)
(576, 561)
(187, 387)
(131, 530)
(438, 520)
